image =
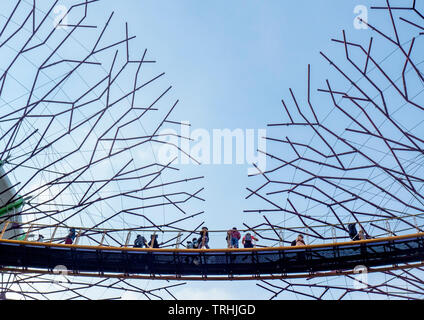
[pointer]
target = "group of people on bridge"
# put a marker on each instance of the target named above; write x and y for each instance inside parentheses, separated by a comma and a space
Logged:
(202, 242)
(233, 237)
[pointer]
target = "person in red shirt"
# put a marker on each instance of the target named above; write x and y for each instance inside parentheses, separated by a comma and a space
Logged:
(70, 237)
(235, 237)
(248, 241)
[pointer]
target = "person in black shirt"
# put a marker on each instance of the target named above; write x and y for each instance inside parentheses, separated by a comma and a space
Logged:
(154, 241)
(140, 242)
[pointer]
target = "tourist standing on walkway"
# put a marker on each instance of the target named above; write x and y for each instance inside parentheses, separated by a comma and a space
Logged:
(300, 241)
(228, 238)
(235, 237)
(204, 238)
(154, 241)
(140, 242)
(70, 237)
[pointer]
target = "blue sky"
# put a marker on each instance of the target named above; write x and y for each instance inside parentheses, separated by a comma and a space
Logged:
(231, 63)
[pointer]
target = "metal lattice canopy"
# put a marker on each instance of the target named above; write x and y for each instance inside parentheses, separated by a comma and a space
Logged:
(81, 116)
(351, 150)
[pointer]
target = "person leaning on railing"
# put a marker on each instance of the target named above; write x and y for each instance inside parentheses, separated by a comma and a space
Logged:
(247, 241)
(140, 242)
(355, 235)
(299, 241)
(363, 236)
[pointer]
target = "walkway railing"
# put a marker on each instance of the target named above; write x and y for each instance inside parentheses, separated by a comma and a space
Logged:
(268, 236)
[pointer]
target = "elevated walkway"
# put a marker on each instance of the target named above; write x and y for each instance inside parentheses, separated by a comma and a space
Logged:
(214, 264)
